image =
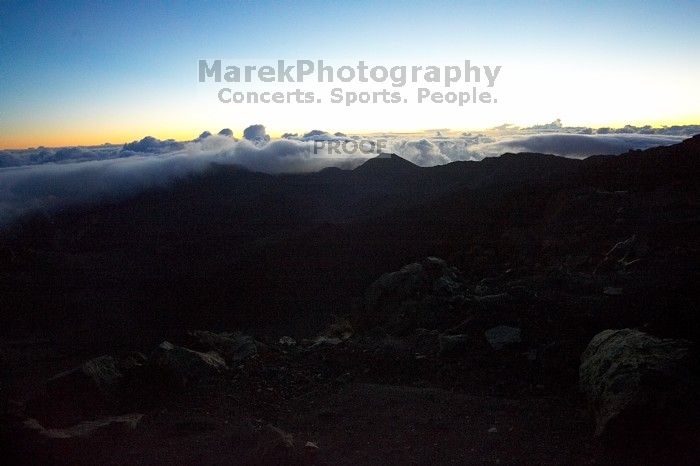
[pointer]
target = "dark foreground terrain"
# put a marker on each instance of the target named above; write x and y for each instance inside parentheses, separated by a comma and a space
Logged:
(390, 314)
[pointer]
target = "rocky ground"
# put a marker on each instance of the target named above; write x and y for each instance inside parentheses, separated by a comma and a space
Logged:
(431, 369)
(243, 318)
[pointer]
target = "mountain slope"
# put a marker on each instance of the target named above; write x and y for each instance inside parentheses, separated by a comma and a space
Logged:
(232, 247)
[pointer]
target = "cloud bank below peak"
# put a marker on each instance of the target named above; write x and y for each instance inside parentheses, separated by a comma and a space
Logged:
(46, 179)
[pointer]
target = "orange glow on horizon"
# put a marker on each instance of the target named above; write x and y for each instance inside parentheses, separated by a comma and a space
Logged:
(77, 137)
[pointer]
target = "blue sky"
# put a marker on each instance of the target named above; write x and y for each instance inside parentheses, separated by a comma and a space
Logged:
(92, 72)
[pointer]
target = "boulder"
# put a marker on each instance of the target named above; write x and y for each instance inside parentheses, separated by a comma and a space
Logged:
(181, 365)
(414, 281)
(287, 341)
(493, 299)
(100, 375)
(612, 291)
(501, 336)
(234, 347)
(635, 382)
(91, 389)
(419, 295)
(408, 283)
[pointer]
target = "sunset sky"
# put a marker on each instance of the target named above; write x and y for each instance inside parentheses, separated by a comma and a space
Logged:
(93, 72)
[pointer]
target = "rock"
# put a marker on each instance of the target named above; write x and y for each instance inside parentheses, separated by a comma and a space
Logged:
(448, 288)
(502, 336)
(635, 382)
(115, 425)
(287, 341)
(612, 291)
(432, 275)
(493, 299)
(418, 295)
(181, 365)
(91, 389)
(623, 248)
(340, 328)
(310, 453)
(623, 254)
(324, 342)
(451, 345)
(408, 283)
(101, 375)
(234, 347)
(131, 361)
(275, 446)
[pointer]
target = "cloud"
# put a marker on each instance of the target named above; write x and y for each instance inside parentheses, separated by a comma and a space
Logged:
(45, 179)
(556, 125)
(49, 186)
(256, 133)
(60, 155)
(151, 145)
(573, 145)
(421, 152)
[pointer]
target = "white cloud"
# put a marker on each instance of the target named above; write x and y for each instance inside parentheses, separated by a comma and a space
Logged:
(50, 178)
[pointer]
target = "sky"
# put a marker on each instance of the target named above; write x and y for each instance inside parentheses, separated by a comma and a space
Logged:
(84, 73)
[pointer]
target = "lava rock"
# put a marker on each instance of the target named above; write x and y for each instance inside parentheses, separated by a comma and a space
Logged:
(234, 347)
(94, 388)
(635, 382)
(419, 295)
(181, 365)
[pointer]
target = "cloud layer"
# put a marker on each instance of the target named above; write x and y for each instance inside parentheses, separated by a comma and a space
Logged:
(45, 179)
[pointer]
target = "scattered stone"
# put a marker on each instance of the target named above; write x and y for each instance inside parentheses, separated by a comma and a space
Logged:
(493, 299)
(633, 381)
(131, 361)
(287, 341)
(623, 248)
(324, 341)
(612, 291)
(501, 336)
(623, 254)
(340, 328)
(234, 347)
(181, 365)
(492, 430)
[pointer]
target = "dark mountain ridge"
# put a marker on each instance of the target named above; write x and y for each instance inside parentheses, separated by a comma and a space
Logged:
(233, 247)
